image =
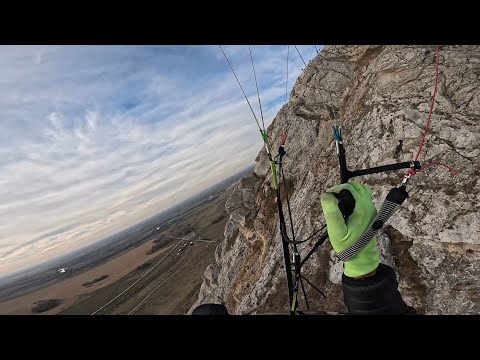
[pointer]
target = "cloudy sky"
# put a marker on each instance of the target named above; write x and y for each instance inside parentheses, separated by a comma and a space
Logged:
(96, 138)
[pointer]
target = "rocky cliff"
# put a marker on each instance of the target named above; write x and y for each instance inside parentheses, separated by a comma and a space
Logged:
(381, 96)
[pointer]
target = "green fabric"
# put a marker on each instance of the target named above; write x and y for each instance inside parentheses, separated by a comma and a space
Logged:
(343, 235)
(264, 136)
(274, 174)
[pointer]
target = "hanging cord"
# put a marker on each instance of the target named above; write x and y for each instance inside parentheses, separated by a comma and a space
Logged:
(288, 206)
(293, 287)
(431, 106)
(238, 81)
(300, 55)
(304, 293)
(439, 164)
(298, 262)
(289, 214)
(262, 132)
(296, 254)
(422, 141)
(256, 84)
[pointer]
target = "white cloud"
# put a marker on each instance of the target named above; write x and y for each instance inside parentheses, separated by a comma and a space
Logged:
(96, 138)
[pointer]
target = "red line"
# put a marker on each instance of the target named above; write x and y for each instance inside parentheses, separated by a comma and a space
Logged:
(431, 107)
(412, 171)
(440, 164)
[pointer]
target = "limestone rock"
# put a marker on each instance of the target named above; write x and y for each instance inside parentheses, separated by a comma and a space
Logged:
(381, 96)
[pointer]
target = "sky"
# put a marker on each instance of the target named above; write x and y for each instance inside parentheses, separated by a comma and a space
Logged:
(94, 139)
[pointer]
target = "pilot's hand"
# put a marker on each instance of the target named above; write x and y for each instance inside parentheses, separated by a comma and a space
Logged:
(342, 234)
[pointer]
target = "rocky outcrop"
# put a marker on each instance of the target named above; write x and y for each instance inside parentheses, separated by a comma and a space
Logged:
(381, 96)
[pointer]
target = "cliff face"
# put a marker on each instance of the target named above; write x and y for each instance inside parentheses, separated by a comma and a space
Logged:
(381, 96)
